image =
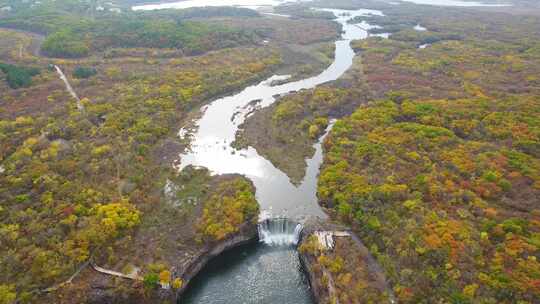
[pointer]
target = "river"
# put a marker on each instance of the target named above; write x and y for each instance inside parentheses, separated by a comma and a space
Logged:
(266, 272)
(216, 130)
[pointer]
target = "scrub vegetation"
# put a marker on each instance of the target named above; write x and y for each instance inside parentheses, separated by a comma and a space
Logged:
(17, 76)
(73, 182)
(167, 239)
(233, 205)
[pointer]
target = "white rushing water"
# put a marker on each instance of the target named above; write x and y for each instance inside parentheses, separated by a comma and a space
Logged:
(279, 232)
(216, 129)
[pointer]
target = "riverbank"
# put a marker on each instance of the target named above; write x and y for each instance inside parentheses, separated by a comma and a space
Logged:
(199, 217)
(94, 287)
(285, 132)
(339, 267)
(247, 234)
(191, 268)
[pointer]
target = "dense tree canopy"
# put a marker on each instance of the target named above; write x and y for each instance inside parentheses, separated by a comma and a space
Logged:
(18, 76)
(73, 183)
(72, 32)
(232, 205)
(445, 193)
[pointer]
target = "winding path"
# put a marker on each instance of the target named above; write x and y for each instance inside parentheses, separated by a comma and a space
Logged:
(35, 44)
(34, 48)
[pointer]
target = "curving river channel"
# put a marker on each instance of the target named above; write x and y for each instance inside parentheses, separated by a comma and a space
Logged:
(268, 272)
(216, 130)
(262, 274)
(265, 272)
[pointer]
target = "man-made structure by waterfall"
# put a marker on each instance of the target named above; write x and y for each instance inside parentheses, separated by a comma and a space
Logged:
(326, 238)
(131, 276)
(279, 232)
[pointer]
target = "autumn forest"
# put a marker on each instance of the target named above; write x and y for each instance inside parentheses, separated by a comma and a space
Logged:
(430, 160)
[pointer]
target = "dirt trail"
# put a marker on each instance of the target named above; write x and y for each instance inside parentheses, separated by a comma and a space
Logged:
(69, 88)
(35, 44)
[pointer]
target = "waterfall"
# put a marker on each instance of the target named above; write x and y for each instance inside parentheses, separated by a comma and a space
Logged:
(279, 231)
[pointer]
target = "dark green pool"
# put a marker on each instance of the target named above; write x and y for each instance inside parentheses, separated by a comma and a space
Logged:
(255, 273)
